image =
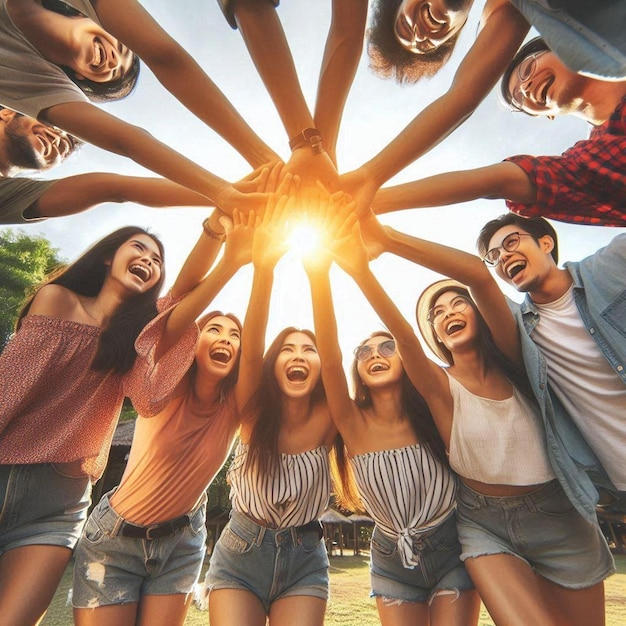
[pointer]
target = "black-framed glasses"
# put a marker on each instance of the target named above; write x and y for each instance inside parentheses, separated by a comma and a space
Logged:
(384, 348)
(510, 243)
(525, 71)
(438, 312)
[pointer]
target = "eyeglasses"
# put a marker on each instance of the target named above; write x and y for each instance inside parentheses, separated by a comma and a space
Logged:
(510, 243)
(437, 313)
(525, 71)
(384, 349)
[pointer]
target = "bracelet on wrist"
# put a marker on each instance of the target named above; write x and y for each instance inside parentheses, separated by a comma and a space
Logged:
(209, 232)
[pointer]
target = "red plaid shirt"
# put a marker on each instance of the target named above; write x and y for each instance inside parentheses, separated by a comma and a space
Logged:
(587, 183)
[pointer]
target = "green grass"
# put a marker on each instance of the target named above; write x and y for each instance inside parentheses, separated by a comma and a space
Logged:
(350, 604)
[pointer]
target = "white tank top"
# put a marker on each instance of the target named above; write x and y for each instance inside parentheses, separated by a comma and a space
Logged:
(498, 442)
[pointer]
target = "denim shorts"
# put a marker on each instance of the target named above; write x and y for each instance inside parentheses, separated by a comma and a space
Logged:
(542, 528)
(114, 569)
(272, 564)
(41, 506)
(439, 567)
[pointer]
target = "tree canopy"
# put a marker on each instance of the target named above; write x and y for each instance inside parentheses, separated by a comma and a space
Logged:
(25, 260)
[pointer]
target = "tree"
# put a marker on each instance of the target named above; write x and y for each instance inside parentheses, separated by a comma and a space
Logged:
(24, 262)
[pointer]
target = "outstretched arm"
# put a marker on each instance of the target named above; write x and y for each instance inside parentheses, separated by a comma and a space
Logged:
(267, 248)
(427, 377)
(266, 42)
(344, 45)
(74, 194)
(236, 254)
(317, 265)
(502, 33)
(503, 180)
(89, 123)
(181, 75)
(467, 269)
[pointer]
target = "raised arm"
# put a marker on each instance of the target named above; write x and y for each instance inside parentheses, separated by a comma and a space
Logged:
(236, 254)
(89, 123)
(502, 32)
(342, 53)
(464, 267)
(181, 75)
(342, 409)
(267, 248)
(427, 377)
(502, 180)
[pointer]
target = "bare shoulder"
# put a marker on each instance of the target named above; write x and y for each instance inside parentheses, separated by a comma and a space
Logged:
(55, 301)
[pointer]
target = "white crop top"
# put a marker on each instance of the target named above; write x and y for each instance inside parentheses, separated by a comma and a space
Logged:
(499, 442)
(296, 493)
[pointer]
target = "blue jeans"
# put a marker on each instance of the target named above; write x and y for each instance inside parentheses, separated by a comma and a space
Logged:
(542, 528)
(439, 568)
(114, 569)
(272, 564)
(41, 506)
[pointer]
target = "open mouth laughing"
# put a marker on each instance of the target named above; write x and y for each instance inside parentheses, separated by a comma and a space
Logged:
(99, 55)
(378, 366)
(221, 355)
(432, 24)
(454, 326)
(514, 268)
(141, 271)
(297, 373)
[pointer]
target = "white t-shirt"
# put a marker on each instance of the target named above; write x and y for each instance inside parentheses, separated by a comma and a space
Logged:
(28, 82)
(584, 381)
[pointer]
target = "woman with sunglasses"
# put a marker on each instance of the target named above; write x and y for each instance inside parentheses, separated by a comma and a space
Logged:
(402, 476)
(533, 557)
(58, 56)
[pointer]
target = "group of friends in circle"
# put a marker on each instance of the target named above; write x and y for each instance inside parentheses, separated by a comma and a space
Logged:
(482, 469)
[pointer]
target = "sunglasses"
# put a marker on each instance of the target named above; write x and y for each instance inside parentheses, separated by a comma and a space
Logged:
(384, 349)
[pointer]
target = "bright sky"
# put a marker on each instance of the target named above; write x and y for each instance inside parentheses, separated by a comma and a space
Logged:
(375, 112)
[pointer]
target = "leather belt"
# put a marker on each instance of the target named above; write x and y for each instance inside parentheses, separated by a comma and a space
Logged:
(154, 531)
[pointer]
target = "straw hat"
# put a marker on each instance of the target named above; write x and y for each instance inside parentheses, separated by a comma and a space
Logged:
(425, 303)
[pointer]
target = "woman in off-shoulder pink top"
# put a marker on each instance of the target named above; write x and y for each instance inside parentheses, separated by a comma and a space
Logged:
(63, 377)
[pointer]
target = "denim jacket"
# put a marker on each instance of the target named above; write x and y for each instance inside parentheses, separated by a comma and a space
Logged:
(600, 295)
(587, 35)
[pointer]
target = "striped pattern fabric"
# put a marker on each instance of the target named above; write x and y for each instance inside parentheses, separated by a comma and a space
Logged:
(407, 491)
(296, 493)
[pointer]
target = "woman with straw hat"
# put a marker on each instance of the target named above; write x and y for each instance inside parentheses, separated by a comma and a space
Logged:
(533, 557)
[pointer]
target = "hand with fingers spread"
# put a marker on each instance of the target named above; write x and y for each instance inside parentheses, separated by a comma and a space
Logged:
(239, 236)
(312, 168)
(349, 252)
(270, 233)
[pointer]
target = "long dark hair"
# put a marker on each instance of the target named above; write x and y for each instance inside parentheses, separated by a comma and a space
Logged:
(266, 406)
(487, 348)
(413, 403)
(389, 59)
(229, 381)
(96, 92)
(85, 277)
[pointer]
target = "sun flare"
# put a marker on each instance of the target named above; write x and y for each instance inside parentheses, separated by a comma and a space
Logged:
(304, 238)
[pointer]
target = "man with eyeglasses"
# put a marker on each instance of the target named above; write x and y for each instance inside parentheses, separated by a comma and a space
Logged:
(584, 185)
(573, 327)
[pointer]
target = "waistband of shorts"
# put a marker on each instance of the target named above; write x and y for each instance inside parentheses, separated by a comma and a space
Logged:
(153, 531)
(545, 490)
(259, 531)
